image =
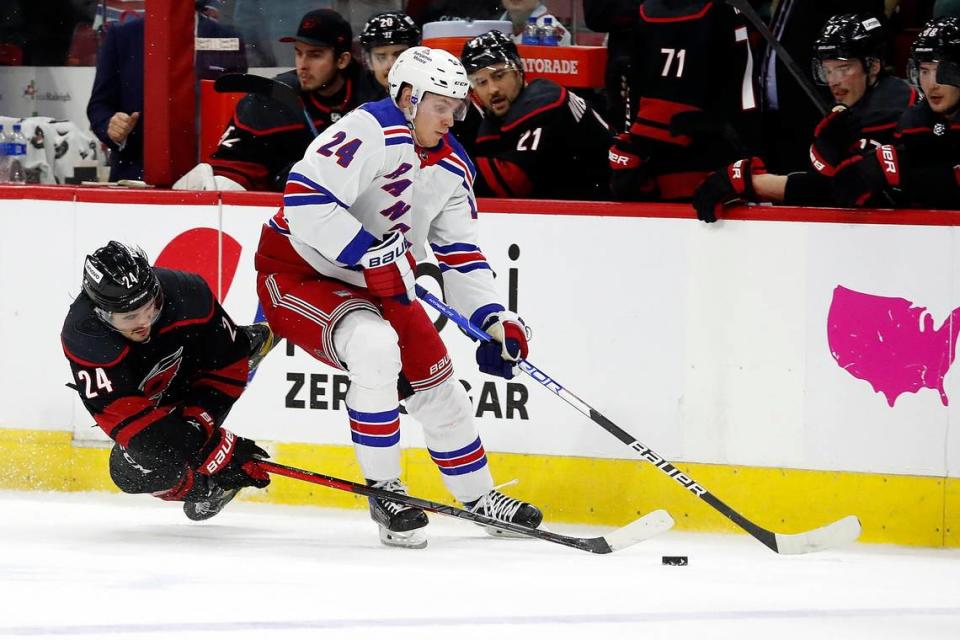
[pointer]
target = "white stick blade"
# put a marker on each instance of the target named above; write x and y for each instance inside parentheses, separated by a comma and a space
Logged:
(836, 534)
(652, 524)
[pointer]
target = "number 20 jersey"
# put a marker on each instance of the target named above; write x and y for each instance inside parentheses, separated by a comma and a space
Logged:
(364, 178)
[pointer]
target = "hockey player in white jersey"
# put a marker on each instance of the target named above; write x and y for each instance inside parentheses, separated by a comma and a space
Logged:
(336, 277)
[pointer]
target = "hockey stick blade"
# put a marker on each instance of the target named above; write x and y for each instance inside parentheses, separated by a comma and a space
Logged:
(835, 534)
(638, 530)
(652, 524)
(267, 87)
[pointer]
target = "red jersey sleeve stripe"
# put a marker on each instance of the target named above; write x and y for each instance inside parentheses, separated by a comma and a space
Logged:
(126, 417)
(189, 321)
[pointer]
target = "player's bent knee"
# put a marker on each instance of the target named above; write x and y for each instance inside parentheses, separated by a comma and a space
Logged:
(131, 477)
(370, 348)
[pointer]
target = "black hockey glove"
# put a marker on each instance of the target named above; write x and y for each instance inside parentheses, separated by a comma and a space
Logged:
(861, 179)
(832, 140)
(500, 356)
(720, 187)
(231, 461)
(629, 178)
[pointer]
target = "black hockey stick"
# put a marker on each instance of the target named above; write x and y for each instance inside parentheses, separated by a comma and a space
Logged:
(743, 6)
(268, 87)
(842, 531)
(648, 526)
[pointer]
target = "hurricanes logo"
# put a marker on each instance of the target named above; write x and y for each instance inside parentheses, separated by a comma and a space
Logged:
(156, 383)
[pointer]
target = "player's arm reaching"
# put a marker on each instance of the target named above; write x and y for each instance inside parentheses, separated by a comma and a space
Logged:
(468, 284)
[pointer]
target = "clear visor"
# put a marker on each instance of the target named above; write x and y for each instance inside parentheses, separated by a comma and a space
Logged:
(444, 106)
(825, 71)
(484, 75)
(144, 316)
(939, 71)
(913, 72)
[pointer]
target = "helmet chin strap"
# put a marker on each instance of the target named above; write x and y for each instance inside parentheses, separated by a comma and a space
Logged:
(413, 131)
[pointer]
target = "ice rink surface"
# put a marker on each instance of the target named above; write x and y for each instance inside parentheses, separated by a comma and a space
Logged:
(132, 567)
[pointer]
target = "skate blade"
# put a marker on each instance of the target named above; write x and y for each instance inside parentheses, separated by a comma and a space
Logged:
(415, 539)
(204, 510)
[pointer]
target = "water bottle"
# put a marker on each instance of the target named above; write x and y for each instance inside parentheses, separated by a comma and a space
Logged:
(531, 32)
(551, 36)
(17, 153)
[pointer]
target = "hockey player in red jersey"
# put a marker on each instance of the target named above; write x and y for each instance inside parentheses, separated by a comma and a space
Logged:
(537, 140)
(158, 364)
(697, 111)
(922, 167)
(336, 277)
(848, 58)
(264, 138)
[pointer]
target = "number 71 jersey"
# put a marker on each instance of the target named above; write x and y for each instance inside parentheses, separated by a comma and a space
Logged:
(364, 178)
(692, 55)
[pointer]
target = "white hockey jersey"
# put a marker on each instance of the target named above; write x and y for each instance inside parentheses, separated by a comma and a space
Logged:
(363, 178)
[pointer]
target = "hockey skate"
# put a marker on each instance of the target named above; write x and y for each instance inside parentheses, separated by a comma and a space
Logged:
(210, 505)
(262, 340)
(400, 525)
(502, 507)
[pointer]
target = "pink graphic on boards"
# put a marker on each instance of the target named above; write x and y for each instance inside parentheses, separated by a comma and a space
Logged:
(890, 343)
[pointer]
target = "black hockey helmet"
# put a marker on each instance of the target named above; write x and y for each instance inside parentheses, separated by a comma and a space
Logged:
(119, 278)
(939, 42)
(490, 48)
(849, 36)
(390, 28)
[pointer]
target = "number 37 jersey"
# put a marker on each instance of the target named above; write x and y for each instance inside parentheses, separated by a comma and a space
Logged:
(364, 178)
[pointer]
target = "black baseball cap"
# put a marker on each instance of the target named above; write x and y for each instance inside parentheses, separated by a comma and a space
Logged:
(323, 28)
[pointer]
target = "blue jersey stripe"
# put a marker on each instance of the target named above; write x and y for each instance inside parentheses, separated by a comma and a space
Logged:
(456, 247)
(446, 455)
(481, 314)
(465, 268)
(459, 471)
(381, 417)
(302, 199)
(375, 441)
(352, 253)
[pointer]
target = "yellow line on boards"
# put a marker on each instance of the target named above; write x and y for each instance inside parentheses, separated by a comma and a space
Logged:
(898, 509)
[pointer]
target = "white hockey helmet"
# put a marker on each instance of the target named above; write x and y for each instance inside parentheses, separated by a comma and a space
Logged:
(428, 70)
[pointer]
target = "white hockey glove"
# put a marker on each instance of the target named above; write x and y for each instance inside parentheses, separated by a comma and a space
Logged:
(390, 270)
(201, 178)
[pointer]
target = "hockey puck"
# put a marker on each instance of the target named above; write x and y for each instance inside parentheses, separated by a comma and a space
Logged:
(674, 561)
